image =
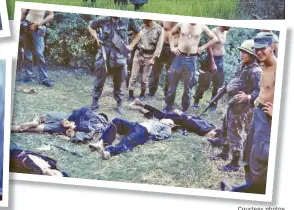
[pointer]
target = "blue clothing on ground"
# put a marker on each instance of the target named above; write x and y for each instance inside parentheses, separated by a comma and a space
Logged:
(137, 134)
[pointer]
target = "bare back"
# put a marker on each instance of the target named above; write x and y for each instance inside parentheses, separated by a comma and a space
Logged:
(189, 37)
(218, 49)
(267, 85)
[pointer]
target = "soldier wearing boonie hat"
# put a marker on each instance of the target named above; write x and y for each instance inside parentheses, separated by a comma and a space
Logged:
(242, 90)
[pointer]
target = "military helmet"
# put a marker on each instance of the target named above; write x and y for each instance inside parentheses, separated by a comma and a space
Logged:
(248, 46)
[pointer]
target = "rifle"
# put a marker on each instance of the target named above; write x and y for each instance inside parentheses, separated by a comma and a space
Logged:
(100, 37)
(218, 96)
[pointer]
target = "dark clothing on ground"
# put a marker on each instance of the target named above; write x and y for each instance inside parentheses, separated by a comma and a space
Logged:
(182, 67)
(52, 123)
(87, 121)
(166, 58)
(137, 134)
(189, 123)
(206, 77)
(20, 162)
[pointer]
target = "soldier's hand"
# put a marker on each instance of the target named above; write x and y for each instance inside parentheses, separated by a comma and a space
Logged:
(175, 50)
(199, 51)
(152, 61)
(129, 47)
(33, 27)
(241, 97)
(99, 42)
(213, 68)
(268, 109)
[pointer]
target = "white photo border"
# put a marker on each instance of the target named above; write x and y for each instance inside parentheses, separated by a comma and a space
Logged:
(5, 32)
(276, 25)
(7, 122)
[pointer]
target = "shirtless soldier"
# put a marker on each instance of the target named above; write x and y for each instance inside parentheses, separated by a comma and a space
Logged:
(166, 57)
(184, 63)
(215, 73)
(257, 144)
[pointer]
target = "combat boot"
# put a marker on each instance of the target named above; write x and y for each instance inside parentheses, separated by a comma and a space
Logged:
(119, 108)
(131, 95)
(224, 155)
(142, 95)
(234, 165)
(95, 104)
(217, 142)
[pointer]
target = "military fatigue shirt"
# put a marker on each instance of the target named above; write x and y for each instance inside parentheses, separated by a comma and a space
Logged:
(246, 79)
(122, 26)
(151, 40)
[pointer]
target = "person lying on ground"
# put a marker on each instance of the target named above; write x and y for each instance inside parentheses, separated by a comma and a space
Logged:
(53, 122)
(80, 125)
(190, 123)
(134, 134)
(29, 162)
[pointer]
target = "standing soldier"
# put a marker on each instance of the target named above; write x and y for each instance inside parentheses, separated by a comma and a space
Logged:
(166, 57)
(257, 144)
(242, 90)
(148, 49)
(33, 22)
(185, 62)
(215, 71)
(112, 54)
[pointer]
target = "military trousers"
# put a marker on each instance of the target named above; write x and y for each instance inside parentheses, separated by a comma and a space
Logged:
(140, 62)
(206, 77)
(166, 58)
(101, 71)
(34, 51)
(257, 145)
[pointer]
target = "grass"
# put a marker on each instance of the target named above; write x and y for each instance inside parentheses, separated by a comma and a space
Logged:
(179, 161)
(199, 8)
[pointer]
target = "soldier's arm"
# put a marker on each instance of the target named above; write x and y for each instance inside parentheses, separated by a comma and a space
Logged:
(93, 32)
(49, 17)
(159, 44)
(174, 31)
(136, 28)
(210, 56)
(213, 38)
(255, 78)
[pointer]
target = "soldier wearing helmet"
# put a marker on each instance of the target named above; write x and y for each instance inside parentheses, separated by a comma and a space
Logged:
(242, 90)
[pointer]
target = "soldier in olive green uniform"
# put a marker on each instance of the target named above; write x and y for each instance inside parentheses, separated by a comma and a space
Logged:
(242, 90)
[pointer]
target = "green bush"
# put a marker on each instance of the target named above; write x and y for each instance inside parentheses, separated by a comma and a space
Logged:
(68, 41)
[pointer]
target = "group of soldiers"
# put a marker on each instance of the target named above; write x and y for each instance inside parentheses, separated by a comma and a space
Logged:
(176, 46)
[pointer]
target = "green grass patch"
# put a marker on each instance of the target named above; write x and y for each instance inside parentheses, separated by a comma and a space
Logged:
(198, 8)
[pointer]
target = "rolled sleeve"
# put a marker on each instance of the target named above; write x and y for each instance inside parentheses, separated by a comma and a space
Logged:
(159, 44)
